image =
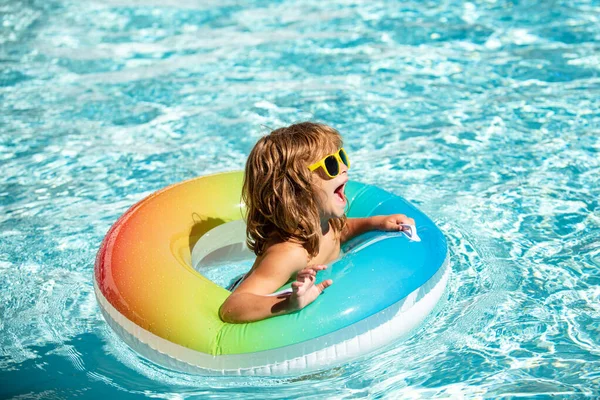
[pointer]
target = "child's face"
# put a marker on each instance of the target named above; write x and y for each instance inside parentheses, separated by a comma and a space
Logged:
(330, 192)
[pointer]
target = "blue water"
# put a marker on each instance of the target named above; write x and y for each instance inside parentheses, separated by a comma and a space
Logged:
(484, 114)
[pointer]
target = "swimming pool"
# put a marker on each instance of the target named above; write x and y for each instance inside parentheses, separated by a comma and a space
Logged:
(484, 114)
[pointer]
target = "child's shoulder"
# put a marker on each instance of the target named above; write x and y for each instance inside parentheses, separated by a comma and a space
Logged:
(288, 248)
(286, 253)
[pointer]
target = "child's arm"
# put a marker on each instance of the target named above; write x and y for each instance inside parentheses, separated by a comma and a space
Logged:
(357, 226)
(251, 301)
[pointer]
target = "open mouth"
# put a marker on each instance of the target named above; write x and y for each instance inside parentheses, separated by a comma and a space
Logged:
(339, 192)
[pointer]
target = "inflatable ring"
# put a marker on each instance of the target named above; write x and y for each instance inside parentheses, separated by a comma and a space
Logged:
(151, 295)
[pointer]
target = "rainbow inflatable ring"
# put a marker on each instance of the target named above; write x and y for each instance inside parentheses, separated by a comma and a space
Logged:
(157, 300)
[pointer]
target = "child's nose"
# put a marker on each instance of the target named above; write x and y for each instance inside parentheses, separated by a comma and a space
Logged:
(343, 168)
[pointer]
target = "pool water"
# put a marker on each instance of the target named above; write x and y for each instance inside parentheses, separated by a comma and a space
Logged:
(484, 114)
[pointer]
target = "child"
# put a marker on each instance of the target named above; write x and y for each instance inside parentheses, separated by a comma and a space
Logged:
(294, 192)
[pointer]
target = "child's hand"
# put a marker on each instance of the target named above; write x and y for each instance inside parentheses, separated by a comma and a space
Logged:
(304, 290)
(393, 223)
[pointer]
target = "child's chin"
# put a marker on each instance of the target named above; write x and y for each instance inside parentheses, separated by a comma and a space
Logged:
(335, 214)
(339, 213)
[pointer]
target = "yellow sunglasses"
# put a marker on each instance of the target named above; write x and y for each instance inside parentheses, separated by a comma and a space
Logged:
(331, 163)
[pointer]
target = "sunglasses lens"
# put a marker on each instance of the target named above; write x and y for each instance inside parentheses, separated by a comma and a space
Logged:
(344, 157)
(331, 163)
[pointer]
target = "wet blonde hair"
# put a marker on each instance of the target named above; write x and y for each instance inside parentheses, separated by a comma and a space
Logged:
(280, 197)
